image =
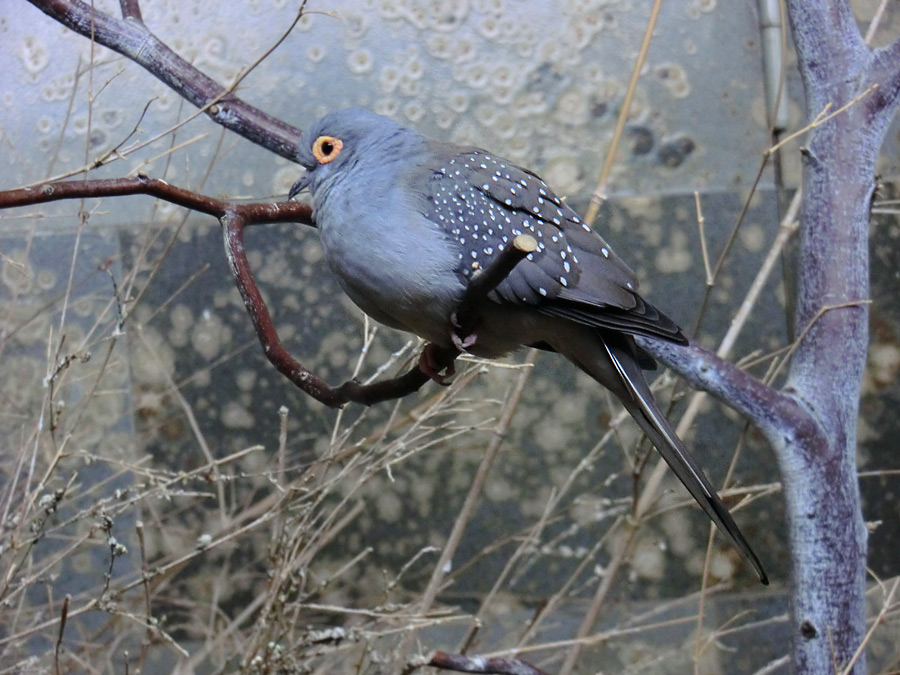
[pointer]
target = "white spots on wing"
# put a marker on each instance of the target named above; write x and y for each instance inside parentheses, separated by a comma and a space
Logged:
(483, 204)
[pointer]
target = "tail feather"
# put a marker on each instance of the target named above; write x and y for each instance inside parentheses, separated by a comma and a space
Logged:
(640, 403)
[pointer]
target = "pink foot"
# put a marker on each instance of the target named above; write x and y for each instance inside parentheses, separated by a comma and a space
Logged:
(461, 343)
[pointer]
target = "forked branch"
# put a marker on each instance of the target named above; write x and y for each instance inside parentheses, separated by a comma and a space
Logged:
(234, 218)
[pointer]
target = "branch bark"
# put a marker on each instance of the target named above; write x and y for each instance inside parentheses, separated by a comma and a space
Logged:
(827, 532)
(234, 218)
(132, 39)
(811, 424)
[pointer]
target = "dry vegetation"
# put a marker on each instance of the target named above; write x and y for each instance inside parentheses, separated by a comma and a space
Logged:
(241, 557)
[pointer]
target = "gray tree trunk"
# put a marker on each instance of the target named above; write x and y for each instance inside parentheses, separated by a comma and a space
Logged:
(811, 423)
(828, 535)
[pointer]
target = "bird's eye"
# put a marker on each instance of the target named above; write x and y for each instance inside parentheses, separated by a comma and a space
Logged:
(326, 148)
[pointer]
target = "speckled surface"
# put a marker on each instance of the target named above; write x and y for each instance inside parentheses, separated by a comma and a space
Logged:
(539, 83)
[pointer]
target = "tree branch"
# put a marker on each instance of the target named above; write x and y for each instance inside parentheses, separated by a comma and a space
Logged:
(830, 50)
(886, 74)
(768, 409)
(132, 39)
(827, 531)
(234, 218)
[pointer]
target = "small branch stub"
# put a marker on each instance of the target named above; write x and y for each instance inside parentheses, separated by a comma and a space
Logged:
(465, 319)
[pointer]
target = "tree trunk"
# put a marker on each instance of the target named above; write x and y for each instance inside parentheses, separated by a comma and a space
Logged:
(827, 532)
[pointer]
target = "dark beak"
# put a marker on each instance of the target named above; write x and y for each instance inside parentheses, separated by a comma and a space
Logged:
(300, 185)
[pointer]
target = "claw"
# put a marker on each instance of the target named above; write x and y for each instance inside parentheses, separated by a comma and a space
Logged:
(461, 343)
(429, 365)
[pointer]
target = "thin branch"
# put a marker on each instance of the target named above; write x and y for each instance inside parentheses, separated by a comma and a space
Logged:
(799, 340)
(589, 618)
(476, 664)
(511, 405)
(142, 184)
(875, 22)
(134, 40)
(878, 620)
(63, 615)
(704, 249)
(824, 116)
(599, 195)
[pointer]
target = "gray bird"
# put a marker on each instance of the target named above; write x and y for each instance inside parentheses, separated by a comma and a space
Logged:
(405, 221)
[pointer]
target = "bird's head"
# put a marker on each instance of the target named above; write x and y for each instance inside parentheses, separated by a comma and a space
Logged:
(341, 140)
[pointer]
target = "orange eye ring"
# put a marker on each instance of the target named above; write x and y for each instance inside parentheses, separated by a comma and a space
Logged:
(327, 148)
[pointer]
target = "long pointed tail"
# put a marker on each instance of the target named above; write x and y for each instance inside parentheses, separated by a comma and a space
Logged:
(640, 403)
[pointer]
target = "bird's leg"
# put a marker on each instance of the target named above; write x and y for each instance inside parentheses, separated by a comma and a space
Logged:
(432, 362)
(462, 342)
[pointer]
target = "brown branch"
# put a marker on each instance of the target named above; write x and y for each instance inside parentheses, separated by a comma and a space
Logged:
(132, 39)
(142, 184)
(234, 218)
(352, 391)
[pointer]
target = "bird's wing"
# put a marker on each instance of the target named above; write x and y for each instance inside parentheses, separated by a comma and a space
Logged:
(484, 202)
